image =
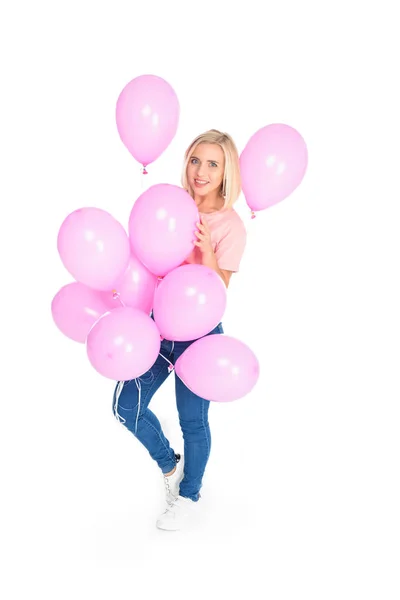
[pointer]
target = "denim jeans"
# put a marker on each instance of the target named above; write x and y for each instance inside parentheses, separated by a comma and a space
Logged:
(130, 406)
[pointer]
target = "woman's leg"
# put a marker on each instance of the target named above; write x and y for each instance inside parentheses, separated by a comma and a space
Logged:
(130, 406)
(193, 419)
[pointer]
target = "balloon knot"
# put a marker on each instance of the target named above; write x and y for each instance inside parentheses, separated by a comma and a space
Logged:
(115, 294)
(253, 216)
(145, 172)
(170, 368)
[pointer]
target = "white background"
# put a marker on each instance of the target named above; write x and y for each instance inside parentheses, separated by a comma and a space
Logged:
(301, 494)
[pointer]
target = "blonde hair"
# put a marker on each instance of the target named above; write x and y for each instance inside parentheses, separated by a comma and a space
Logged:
(231, 183)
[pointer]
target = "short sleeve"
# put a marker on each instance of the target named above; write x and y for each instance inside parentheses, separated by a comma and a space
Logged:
(230, 248)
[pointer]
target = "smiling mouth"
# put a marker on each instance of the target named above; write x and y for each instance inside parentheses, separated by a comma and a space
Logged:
(200, 182)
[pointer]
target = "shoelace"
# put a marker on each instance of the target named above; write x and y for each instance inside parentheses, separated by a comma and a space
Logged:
(166, 483)
(176, 503)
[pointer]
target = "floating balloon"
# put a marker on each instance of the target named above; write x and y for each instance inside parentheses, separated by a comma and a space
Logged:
(272, 165)
(147, 115)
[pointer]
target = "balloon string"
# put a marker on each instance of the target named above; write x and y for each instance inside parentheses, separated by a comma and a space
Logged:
(117, 394)
(171, 366)
(143, 173)
(139, 388)
(117, 296)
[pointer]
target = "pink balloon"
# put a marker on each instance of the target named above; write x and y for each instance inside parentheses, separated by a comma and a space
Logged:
(218, 368)
(123, 344)
(189, 302)
(75, 309)
(162, 227)
(93, 247)
(134, 288)
(147, 115)
(272, 164)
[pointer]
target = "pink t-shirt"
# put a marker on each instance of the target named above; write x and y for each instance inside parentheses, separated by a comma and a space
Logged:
(228, 238)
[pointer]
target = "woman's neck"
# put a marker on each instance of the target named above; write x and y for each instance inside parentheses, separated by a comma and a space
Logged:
(208, 204)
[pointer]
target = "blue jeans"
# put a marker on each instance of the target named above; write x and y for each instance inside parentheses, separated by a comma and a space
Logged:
(130, 406)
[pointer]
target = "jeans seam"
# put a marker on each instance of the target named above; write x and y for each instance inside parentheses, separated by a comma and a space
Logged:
(144, 396)
(204, 426)
(154, 429)
(153, 384)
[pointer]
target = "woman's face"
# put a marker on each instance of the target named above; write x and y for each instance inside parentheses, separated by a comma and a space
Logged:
(205, 170)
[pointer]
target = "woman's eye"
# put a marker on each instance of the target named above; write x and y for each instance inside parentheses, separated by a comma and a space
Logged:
(213, 164)
(193, 161)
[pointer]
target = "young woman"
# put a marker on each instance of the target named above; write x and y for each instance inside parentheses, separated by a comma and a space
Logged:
(211, 175)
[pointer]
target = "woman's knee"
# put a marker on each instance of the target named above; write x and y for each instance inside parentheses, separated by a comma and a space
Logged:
(195, 427)
(125, 405)
(126, 416)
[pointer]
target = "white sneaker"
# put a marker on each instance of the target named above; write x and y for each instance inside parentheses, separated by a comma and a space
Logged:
(172, 482)
(176, 514)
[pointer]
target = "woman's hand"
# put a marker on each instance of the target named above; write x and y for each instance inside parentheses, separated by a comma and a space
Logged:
(208, 257)
(203, 237)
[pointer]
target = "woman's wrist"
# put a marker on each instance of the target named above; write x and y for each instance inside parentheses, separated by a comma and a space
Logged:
(210, 260)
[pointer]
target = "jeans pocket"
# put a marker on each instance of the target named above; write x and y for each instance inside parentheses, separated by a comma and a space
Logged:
(125, 396)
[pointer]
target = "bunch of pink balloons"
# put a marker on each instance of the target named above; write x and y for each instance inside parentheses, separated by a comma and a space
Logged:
(95, 249)
(132, 288)
(121, 278)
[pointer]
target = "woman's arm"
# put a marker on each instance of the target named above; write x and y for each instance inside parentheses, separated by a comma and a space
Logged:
(208, 258)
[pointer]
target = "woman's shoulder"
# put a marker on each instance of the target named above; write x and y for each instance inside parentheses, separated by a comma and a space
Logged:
(235, 221)
(226, 222)
(231, 242)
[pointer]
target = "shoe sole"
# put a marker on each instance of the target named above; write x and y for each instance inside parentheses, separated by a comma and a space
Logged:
(163, 528)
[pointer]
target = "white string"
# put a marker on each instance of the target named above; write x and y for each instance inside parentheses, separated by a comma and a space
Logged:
(171, 366)
(117, 296)
(117, 395)
(139, 387)
(144, 174)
